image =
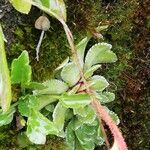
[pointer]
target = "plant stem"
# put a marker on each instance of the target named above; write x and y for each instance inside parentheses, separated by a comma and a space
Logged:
(76, 60)
(39, 44)
(100, 110)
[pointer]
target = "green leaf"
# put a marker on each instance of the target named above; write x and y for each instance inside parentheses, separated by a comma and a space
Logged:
(70, 136)
(21, 70)
(26, 104)
(59, 116)
(105, 97)
(38, 127)
(81, 49)
(22, 6)
(99, 53)
(64, 63)
(44, 100)
(86, 136)
(98, 83)
(75, 101)
(35, 85)
(7, 117)
(70, 74)
(5, 83)
(89, 72)
(53, 86)
(54, 8)
(74, 89)
(90, 115)
(113, 115)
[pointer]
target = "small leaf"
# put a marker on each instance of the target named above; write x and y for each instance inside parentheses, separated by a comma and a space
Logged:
(74, 89)
(81, 50)
(22, 6)
(5, 83)
(44, 100)
(90, 115)
(38, 127)
(26, 104)
(53, 86)
(7, 117)
(56, 7)
(98, 83)
(86, 136)
(35, 85)
(59, 116)
(75, 101)
(70, 136)
(99, 53)
(90, 71)
(105, 97)
(63, 64)
(21, 70)
(50, 107)
(70, 74)
(113, 115)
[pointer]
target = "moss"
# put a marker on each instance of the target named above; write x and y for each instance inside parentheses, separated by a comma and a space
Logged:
(84, 16)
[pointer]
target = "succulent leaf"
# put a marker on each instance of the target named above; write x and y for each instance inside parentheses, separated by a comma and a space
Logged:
(99, 53)
(70, 74)
(52, 86)
(38, 127)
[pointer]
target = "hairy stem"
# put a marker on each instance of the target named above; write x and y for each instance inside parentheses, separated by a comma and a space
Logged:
(100, 110)
(76, 60)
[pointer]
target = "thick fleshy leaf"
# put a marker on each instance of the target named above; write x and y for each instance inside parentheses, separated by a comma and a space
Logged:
(64, 63)
(44, 100)
(89, 72)
(35, 85)
(70, 136)
(52, 7)
(98, 83)
(86, 136)
(38, 127)
(26, 104)
(99, 53)
(53, 86)
(21, 70)
(74, 89)
(105, 97)
(90, 115)
(81, 49)
(22, 6)
(7, 117)
(70, 74)
(75, 101)
(59, 116)
(5, 83)
(113, 115)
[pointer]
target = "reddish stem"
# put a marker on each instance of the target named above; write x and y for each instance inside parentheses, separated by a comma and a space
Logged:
(102, 114)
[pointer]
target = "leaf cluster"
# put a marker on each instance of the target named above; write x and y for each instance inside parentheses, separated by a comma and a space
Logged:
(65, 99)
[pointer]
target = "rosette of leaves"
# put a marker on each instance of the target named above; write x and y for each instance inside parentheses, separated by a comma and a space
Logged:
(62, 106)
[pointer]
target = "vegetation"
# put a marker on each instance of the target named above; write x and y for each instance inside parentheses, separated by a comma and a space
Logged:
(112, 72)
